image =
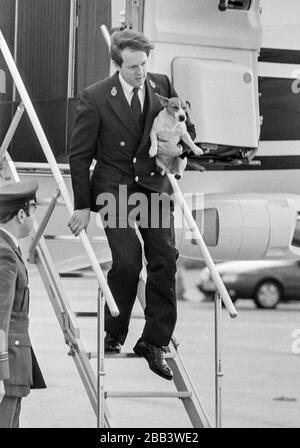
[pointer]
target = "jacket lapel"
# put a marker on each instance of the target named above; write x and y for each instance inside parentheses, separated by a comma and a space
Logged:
(10, 242)
(154, 107)
(119, 104)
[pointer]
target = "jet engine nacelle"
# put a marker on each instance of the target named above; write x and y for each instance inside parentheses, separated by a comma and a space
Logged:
(241, 226)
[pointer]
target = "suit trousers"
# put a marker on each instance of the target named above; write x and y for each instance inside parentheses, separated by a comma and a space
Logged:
(10, 409)
(155, 222)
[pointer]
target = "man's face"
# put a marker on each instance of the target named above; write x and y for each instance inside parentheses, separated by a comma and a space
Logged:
(26, 219)
(134, 67)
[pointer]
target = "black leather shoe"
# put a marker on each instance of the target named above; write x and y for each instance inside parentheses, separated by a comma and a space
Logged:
(111, 345)
(154, 357)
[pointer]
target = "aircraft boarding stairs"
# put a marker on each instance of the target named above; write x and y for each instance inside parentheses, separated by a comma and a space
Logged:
(68, 320)
(40, 255)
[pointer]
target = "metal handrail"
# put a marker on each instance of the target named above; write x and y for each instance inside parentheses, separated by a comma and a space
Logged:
(13, 126)
(55, 170)
(178, 196)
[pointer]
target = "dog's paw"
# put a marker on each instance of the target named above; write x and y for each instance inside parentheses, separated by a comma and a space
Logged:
(197, 151)
(152, 152)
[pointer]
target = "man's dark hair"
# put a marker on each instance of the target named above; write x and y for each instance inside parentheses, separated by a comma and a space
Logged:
(128, 39)
(8, 213)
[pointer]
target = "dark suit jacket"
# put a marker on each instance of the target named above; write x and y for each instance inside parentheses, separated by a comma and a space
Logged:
(19, 370)
(106, 130)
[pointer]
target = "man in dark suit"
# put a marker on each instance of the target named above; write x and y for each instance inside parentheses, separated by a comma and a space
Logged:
(19, 371)
(113, 124)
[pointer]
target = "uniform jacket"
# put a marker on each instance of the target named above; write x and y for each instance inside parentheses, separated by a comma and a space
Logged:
(18, 366)
(107, 131)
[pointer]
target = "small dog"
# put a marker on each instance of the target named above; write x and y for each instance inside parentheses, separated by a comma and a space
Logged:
(169, 126)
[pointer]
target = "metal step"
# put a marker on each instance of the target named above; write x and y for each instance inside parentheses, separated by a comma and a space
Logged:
(75, 239)
(77, 274)
(122, 394)
(94, 314)
(42, 202)
(93, 355)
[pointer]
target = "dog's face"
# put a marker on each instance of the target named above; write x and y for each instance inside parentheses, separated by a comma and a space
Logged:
(174, 107)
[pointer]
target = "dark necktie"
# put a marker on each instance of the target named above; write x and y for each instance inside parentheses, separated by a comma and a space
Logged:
(136, 104)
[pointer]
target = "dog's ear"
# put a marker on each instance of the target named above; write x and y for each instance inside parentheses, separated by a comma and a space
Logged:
(163, 100)
(188, 104)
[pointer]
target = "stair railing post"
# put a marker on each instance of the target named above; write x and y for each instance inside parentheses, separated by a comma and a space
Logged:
(218, 361)
(100, 361)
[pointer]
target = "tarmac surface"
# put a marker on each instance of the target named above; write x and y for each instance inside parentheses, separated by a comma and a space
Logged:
(260, 387)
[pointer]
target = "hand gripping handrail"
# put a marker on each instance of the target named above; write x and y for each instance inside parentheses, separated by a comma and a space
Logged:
(56, 171)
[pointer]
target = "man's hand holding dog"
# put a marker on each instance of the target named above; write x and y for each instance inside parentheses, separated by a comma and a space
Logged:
(79, 220)
(153, 151)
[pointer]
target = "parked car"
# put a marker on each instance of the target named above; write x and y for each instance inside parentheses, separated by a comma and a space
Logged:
(266, 282)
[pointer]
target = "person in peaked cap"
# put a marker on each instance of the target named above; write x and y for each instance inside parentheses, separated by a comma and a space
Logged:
(19, 370)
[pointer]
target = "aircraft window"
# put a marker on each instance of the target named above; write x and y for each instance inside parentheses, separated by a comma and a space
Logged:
(296, 238)
(280, 108)
(207, 221)
(234, 4)
(279, 56)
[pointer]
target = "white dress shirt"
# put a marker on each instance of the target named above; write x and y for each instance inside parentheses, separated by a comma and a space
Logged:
(128, 91)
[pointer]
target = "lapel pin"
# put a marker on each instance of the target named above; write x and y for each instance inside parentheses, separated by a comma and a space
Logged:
(114, 91)
(152, 84)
